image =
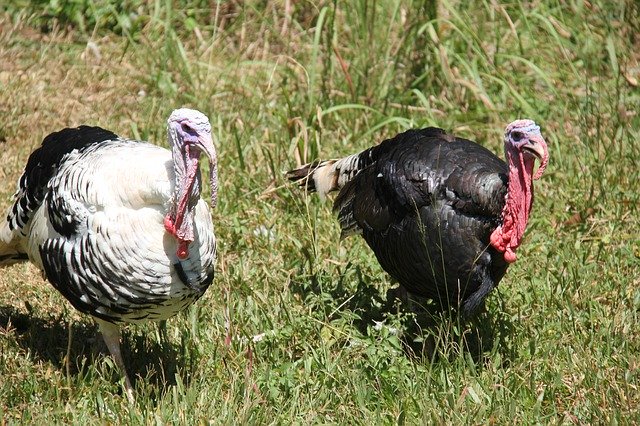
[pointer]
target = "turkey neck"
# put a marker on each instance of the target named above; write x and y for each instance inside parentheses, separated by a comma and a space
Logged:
(515, 214)
(179, 221)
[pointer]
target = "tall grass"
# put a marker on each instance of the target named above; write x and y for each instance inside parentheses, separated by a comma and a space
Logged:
(296, 327)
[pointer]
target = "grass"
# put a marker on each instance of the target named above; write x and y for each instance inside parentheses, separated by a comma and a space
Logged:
(286, 82)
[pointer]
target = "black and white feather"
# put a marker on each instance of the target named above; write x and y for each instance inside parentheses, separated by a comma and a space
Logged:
(94, 210)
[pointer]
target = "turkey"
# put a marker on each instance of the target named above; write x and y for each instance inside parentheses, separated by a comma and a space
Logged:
(118, 226)
(443, 215)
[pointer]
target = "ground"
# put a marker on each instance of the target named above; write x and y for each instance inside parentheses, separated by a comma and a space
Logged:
(295, 327)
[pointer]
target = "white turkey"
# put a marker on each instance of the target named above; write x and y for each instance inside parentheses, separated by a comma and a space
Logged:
(118, 226)
(443, 215)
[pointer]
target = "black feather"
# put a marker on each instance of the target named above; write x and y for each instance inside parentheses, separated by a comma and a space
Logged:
(42, 166)
(196, 285)
(426, 205)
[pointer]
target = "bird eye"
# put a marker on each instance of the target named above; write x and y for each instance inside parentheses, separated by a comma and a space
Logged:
(517, 136)
(188, 129)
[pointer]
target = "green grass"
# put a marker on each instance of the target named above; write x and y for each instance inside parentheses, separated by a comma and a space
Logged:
(287, 82)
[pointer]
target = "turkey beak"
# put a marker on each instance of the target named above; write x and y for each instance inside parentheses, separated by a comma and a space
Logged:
(205, 145)
(537, 147)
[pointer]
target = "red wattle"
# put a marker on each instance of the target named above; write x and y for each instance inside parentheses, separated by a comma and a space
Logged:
(183, 250)
(496, 240)
(507, 237)
(509, 256)
(169, 226)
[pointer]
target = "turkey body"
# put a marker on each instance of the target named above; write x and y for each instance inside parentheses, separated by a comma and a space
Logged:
(426, 206)
(118, 226)
(426, 203)
(98, 231)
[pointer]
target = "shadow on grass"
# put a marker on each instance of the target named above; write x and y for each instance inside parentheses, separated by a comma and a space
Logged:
(428, 331)
(433, 333)
(147, 360)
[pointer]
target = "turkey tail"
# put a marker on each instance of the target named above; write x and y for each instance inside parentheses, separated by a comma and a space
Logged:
(329, 175)
(9, 252)
(305, 174)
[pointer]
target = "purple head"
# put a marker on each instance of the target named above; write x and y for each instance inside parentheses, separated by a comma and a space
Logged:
(523, 138)
(189, 133)
(523, 143)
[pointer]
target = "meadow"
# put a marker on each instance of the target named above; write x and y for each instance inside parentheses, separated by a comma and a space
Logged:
(295, 328)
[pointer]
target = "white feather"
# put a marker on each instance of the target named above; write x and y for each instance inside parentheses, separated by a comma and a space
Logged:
(122, 193)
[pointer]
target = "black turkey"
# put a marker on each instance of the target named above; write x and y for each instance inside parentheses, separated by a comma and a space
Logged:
(117, 225)
(442, 214)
